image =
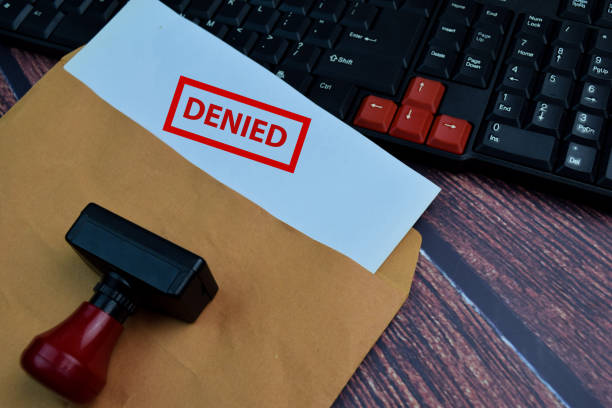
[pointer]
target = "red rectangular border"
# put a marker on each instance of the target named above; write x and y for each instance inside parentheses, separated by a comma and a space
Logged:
(247, 101)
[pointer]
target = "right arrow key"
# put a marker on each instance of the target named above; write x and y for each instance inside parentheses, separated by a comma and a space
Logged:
(449, 134)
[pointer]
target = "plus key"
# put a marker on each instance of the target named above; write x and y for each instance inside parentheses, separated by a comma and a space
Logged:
(375, 113)
(424, 93)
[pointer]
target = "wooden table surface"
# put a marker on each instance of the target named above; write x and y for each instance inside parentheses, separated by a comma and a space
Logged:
(511, 303)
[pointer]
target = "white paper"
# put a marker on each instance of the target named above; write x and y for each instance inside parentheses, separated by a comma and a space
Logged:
(344, 192)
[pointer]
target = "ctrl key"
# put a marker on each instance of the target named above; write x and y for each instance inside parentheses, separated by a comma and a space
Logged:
(332, 95)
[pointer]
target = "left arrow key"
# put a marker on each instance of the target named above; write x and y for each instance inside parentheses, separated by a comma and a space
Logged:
(375, 113)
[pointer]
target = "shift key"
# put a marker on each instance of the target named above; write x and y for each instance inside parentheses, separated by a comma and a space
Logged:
(377, 74)
(517, 145)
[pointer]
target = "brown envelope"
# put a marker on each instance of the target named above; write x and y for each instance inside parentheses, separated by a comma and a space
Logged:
(291, 322)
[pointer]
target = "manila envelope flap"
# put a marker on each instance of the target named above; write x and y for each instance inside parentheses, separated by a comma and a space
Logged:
(292, 320)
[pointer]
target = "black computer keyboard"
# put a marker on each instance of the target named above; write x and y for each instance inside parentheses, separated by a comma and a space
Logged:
(516, 87)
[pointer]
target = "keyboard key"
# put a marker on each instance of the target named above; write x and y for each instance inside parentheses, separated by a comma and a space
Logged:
(217, 29)
(519, 79)
(103, 10)
(261, 19)
(556, 88)
(266, 65)
(423, 8)
(449, 134)
(603, 41)
(528, 50)
(323, 34)
(579, 162)
(449, 35)
(177, 5)
(269, 49)
(536, 26)
(297, 79)
(375, 114)
(41, 21)
(394, 38)
(376, 74)
(411, 123)
(302, 57)
(564, 60)
(13, 12)
(461, 11)
(572, 34)
(266, 3)
(73, 31)
(194, 20)
(600, 68)
(578, 10)
(438, 62)
(520, 146)
(485, 41)
(292, 26)
(296, 6)
(241, 39)
(587, 128)
(203, 9)
(329, 10)
(495, 17)
(394, 35)
(605, 18)
(594, 96)
(547, 119)
(79, 6)
(333, 95)
(606, 177)
(390, 4)
(55, 3)
(232, 12)
(359, 15)
(509, 108)
(474, 70)
(424, 93)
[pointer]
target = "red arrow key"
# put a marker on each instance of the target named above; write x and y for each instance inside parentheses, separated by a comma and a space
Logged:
(411, 123)
(449, 134)
(424, 93)
(375, 113)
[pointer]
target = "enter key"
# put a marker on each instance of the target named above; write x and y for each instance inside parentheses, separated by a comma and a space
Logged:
(395, 35)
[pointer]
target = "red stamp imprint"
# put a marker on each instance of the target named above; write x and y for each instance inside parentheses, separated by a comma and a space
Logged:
(237, 124)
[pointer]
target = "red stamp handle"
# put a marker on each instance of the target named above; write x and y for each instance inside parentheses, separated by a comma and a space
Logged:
(72, 358)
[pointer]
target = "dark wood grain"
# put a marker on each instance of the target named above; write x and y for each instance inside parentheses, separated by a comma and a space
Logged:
(549, 259)
(7, 96)
(439, 351)
(33, 65)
